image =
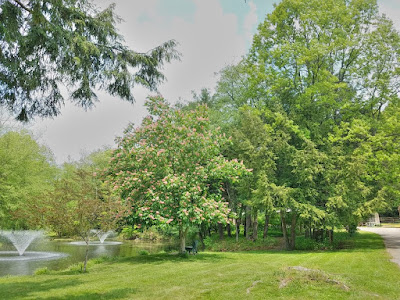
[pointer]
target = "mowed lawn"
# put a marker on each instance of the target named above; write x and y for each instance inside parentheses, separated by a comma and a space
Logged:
(362, 272)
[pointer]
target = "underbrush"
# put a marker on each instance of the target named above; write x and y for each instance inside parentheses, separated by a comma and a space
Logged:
(146, 234)
(229, 244)
(342, 240)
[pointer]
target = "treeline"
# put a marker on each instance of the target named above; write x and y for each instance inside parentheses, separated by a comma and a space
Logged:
(313, 110)
(305, 129)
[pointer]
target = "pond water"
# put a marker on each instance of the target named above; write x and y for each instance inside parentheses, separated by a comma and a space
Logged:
(73, 254)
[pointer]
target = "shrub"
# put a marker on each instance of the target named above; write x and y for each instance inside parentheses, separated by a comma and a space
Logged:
(143, 252)
(340, 240)
(41, 271)
(150, 234)
(213, 243)
(130, 233)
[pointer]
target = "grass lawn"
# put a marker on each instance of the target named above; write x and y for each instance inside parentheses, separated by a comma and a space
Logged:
(361, 272)
(391, 225)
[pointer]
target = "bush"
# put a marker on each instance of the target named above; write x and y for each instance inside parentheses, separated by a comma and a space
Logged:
(213, 243)
(339, 242)
(129, 233)
(41, 271)
(150, 234)
(143, 252)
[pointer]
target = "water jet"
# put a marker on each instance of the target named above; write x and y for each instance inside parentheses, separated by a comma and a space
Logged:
(21, 239)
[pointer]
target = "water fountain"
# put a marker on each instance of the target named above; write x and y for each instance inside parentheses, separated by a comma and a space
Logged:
(21, 239)
(102, 235)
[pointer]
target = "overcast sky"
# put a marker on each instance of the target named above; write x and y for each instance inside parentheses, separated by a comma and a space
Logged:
(211, 34)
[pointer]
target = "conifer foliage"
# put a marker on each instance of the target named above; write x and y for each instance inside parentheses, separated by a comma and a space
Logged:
(47, 44)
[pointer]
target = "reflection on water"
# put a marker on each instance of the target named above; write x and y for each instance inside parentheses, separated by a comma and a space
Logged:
(76, 253)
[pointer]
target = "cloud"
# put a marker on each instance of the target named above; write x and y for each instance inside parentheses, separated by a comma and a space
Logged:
(207, 44)
(391, 8)
(250, 21)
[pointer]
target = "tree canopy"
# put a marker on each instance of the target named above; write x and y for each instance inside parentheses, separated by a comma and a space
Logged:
(27, 169)
(45, 45)
(170, 169)
(312, 109)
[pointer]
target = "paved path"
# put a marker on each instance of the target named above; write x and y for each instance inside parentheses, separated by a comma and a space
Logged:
(391, 237)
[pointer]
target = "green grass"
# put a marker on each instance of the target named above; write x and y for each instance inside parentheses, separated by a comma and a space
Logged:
(391, 225)
(361, 272)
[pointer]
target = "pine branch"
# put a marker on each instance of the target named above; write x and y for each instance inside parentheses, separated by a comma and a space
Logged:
(23, 6)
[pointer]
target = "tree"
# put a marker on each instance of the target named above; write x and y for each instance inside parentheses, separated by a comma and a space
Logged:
(78, 203)
(331, 68)
(27, 169)
(325, 62)
(44, 44)
(286, 166)
(252, 143)
(170, 171)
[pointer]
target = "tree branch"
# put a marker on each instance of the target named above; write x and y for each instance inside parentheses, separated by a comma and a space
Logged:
(23, 6)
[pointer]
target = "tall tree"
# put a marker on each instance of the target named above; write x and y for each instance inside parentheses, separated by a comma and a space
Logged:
(44, 44)
(331, 67)
(325, 62)
(26, 170)
(170, 170)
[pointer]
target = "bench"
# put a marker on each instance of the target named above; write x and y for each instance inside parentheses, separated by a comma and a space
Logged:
(193, 248)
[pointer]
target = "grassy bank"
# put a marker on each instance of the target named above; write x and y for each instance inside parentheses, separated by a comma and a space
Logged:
(361, 272)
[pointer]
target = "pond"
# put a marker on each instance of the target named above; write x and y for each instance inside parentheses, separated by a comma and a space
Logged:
(73, 254)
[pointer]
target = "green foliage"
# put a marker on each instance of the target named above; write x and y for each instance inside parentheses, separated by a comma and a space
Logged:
(44, 43)
(130, 233)
(143, 252)
(150, 234)
(314, 111)
(27, 169)
(170, 170)
(324, 62)
(42, 271)
(342, 240)
(229, 244)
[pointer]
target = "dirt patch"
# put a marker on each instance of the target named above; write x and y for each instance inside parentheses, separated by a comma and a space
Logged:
(299, 273)
(252, 286)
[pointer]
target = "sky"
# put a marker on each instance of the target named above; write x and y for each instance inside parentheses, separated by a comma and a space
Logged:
(211, 35)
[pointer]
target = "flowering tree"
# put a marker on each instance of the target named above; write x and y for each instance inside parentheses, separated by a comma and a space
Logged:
(170, 170)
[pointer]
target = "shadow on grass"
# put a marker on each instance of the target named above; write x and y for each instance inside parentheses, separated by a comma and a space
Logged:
(19, 290)
(112, 294)
(365, 241)
(167, 257)
(361, 241)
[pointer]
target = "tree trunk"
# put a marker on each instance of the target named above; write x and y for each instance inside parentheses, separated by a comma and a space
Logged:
(86, 255)
(307, 231)
(293, 232)
(221, 231)
(243, 219)
(255, 225)
(284, 229)
(266, 225)
(248, 222)
(237, 230)
(229, 230)
(330, 233)
(182, 239)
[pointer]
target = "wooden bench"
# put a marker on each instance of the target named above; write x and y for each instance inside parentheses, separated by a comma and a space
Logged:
(193, 248)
